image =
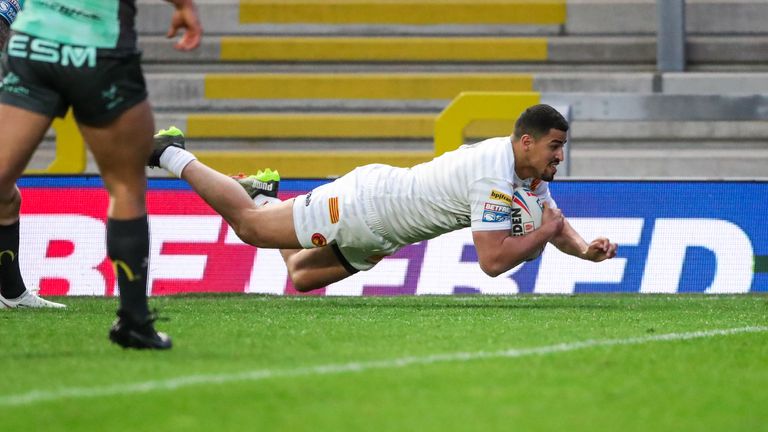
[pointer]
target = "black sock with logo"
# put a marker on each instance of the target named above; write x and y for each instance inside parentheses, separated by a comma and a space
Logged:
(128, 248)
(11, 283)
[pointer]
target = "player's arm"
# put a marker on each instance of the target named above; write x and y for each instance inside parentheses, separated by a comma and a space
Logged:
(498, 251)
(569, 241)
(185, 17)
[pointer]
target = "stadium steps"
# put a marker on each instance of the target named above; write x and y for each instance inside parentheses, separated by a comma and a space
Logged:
(364, 90)
(368, 17)
(540, 51)
(339, 34)
(318, 86)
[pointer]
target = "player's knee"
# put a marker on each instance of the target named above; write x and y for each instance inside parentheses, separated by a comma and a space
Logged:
(491, 270)
(7, 185)
(10, 200)
(303, 280)
(247, 232)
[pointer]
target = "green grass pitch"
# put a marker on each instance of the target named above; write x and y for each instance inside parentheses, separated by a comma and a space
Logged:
(472, 363)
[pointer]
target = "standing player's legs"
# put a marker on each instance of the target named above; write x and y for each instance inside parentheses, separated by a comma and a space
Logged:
(24, 132)
(121, 148)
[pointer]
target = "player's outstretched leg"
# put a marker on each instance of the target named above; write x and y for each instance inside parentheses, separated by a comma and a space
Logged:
(261, 187)
(164, 138)
(240, 200)
(261, 226)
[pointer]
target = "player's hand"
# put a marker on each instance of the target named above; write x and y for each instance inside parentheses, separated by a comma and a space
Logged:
(553, 216)
(600, 249)
(185, 17)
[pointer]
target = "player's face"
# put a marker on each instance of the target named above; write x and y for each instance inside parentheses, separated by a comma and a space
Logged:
(547, 153)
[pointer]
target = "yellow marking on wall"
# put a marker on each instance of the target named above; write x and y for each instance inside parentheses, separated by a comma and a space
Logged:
(471, 106)
(375, 49)
(539, 12)
(310, 125)
(360, 86)
(70, 148)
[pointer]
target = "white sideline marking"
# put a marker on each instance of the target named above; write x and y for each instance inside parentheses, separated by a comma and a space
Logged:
(37, 396)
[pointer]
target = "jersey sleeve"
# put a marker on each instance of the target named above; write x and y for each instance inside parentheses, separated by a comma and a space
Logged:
(9, 9)
(490, 205)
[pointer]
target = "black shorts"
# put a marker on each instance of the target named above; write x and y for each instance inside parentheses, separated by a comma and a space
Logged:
(47, 78)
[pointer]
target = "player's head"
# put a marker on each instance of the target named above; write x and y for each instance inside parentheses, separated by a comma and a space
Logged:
(540, 135)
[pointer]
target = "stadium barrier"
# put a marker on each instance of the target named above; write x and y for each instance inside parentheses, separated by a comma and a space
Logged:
(674, 237)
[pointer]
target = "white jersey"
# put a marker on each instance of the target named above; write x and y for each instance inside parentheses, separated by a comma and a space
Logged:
(470, 186)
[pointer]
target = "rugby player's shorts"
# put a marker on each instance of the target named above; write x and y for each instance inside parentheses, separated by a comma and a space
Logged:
(335, 215)
(47, 77)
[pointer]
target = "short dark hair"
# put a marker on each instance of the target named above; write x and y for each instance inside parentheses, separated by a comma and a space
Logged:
(538, 120)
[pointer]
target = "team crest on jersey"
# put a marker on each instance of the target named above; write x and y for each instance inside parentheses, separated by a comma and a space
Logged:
(500, 196)
(319, 240)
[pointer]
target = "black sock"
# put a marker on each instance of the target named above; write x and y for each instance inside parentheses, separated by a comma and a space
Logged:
(128, 248)
(11, 283)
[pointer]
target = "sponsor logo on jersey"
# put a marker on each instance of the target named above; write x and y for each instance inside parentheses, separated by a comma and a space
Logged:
(319, 240)
(492, 216)
(333, 209)
(43, 50)
(110, 95)
(11, 84)
(500, 196)
(308, 199)
(499, 208)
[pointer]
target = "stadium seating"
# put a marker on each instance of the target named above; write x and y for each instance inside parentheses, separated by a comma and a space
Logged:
(314, 87)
